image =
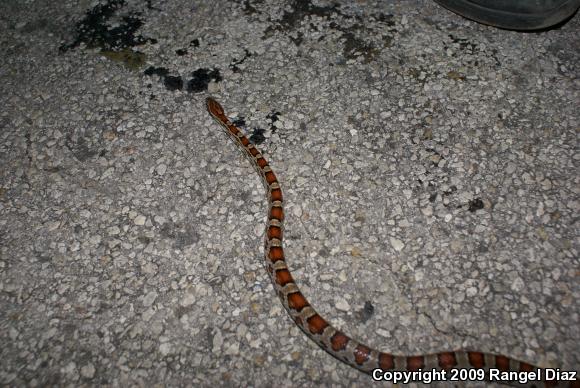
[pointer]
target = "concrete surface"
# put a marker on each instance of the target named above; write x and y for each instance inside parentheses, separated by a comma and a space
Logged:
(429, 164)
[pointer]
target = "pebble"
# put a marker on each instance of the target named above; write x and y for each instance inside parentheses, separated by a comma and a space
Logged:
(149, 298)
(397, 244)
(342, 304)
(88, 371)
(139, 220)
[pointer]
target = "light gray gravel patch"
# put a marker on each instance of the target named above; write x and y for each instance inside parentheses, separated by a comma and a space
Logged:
(429, 166)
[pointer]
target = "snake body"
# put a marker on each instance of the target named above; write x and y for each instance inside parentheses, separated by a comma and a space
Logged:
(318, 329)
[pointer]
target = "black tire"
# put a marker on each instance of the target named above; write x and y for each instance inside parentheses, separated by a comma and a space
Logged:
(514, 14)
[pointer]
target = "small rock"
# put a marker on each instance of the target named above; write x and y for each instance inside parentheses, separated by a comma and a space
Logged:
(161, 169)
(88, 371)
(397, 244)
(342, 304)
(165, 348)
(149, 299)
(140, 220)
(218, 341)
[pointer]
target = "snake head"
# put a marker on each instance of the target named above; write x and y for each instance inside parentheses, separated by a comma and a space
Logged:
(214, 108)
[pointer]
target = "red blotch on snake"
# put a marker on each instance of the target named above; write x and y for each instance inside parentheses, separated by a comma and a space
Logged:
(283, 277)
(277, 213)
(270, 177)
(525, 367)
(361, 354)
(339, 341)
(253, 151)
(316, 324)
(415, 363)
(297, 301)
(447, 360)
(476, 359)
(386, 361)
(274, 232)
(275, 254)
(276, 195)
(502, 363)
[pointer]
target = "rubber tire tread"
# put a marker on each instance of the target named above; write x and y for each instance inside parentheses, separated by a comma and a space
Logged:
(514, 14)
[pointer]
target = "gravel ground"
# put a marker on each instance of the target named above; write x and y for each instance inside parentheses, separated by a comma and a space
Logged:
(429, 164)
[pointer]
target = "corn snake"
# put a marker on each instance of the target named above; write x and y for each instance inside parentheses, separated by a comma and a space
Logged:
(329, 338)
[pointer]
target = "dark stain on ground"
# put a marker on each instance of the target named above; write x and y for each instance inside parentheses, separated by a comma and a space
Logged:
(249, 9)
(302, 9)
(160, 71)
(198, 83)
(239, 122)
(463, 43)
(466, 48)
(95, 32)
(291, 20)
(172, 82)
(80, 148)
(150, 6)
(334, 19)
(257, 136)
(182, 51)
(475, 205)
(273, 117)
(448, 194)
(367, 311)
(234, 65)
(355, 47)
(201, 78)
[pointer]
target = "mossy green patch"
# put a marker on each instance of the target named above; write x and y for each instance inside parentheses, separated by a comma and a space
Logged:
(133, 60)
